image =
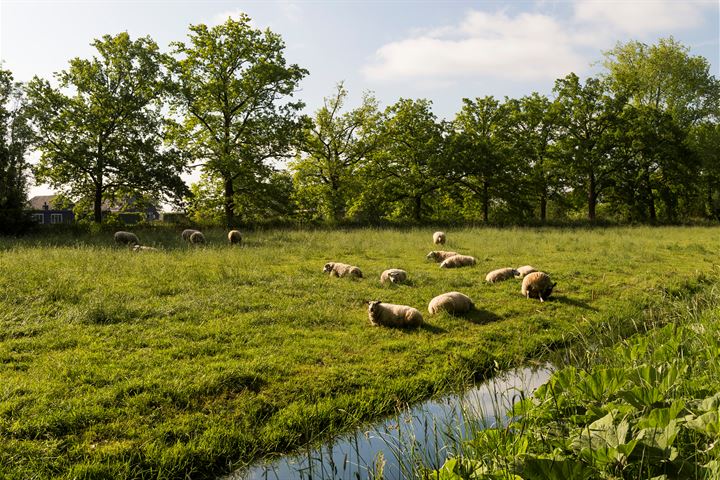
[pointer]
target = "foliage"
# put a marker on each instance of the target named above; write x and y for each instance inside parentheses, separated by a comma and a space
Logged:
(103, 139)
(232, 87)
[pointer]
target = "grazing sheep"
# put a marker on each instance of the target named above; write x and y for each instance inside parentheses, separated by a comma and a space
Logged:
(126, 238)
(524, 271)
(500, 275)
(537, 285)
(390, 315)
(393, 275)
(143, 248)
(439, 255)
(457, 261)
(234, 237)
(187, 232)
(342, 270)
(439, 238)
(197, 238)
(455, 303)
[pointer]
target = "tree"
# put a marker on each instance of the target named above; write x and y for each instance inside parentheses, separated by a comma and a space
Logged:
(104, 138)
(335, 145)
(232, 87)
(14, 143)
(589, 114)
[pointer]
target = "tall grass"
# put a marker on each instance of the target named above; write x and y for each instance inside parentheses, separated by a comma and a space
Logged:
(191, 361)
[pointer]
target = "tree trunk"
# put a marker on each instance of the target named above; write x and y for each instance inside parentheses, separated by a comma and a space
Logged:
(97, 204)
(229, 202)
(592, 197)
(417, 210)
(543, 205)
(486, 202)
(336, 210)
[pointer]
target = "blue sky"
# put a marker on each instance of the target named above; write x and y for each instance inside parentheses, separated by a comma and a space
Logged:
(440, 50)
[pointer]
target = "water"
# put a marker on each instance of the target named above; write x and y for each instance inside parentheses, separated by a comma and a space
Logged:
(427, 431)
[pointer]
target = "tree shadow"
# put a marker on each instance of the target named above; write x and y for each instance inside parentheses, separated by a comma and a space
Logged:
(571, 301)
(480, 316)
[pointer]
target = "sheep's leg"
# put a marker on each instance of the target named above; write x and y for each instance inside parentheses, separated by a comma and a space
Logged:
(540, 297)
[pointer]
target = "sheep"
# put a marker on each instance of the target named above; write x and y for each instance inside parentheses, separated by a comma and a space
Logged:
(458, 261)
(537, 285)
(439, 238)
(455, 303)
(126, 238)
(439, 255)
(342, 270)
(143, 248)
(234, 237)
(523, 271)
(500, 275)
(390, 315)
(197, 238)
(187, 232)
(393, 275)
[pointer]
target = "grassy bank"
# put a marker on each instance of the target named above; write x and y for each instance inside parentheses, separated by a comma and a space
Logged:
(180, 362)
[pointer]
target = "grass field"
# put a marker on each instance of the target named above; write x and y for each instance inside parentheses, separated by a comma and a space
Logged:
(190, 361)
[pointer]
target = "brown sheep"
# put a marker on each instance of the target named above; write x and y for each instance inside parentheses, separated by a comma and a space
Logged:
(342, 270)
(126, 238)
(439, 255)
(457, 261)
(393, 275)
(197, 238)
(439, 238)
(523, 271)
(455, 303)
(234, 237)
(187, 232)
(537, 285)
(500, 275)
(390, 315)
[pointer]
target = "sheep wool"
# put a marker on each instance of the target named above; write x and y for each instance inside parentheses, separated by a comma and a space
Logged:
(439, 238)
(234, 237)
(500, 275)
(537, 285)
(337, 269)
(143, 248)
(197, 238)
(439, 255)
(126, 238)
(390, 315)
(393, 275)
(457, 261)
(454, 303)
(524, 271)
(187, 232)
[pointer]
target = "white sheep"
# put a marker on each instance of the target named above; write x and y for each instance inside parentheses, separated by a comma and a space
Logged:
(500, 275)
(126, 238)
(537, 285)
(390, 315)
(187, 232)
(439, 255)
(197, 238)
(457, 261)
(393, 275)
(455, 303)
(143, 248)
(439, 238)
(524, 271)
(342, 270)
(234, 237)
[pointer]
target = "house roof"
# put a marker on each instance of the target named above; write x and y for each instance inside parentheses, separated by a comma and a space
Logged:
(37, 202)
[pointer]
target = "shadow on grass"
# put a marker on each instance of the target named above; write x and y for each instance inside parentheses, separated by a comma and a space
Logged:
(432, 328)
(480, 316)
(571, 301)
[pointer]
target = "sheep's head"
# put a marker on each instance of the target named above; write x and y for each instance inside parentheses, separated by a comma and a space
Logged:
(548, 290)
(431, 256)
(328, 267)
(373, 306)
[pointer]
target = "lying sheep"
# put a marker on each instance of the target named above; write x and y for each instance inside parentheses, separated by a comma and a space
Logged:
(390, 315)
(393, 275)
(439, 238)
(234, 237)
(537, 285)
(523, 271)
(439, 255)
(455, 303)
(126, 238)
(457, 261)
(197, 238)
(342, 270)
(500, 275)
(143, 248)
(187, 232)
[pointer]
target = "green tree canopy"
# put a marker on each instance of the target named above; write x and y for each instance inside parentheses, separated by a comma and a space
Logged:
(100, 133)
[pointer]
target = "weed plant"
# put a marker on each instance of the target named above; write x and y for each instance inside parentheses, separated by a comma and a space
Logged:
(190, 362)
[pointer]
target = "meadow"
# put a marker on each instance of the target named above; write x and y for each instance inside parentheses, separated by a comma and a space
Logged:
(189, 362)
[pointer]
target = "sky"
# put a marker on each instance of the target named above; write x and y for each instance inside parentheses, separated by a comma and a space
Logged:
(440, 50)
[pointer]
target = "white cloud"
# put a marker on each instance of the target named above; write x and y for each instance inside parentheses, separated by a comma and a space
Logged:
(525, 47)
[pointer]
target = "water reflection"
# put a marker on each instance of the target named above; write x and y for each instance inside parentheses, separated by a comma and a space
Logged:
(426, 432)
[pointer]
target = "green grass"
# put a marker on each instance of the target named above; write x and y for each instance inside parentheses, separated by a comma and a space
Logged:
(189, 361)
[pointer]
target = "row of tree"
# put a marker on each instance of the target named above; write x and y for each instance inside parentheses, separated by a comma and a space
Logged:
(639, 142)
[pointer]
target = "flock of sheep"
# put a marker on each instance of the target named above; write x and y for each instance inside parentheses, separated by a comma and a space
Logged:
(534, 285)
